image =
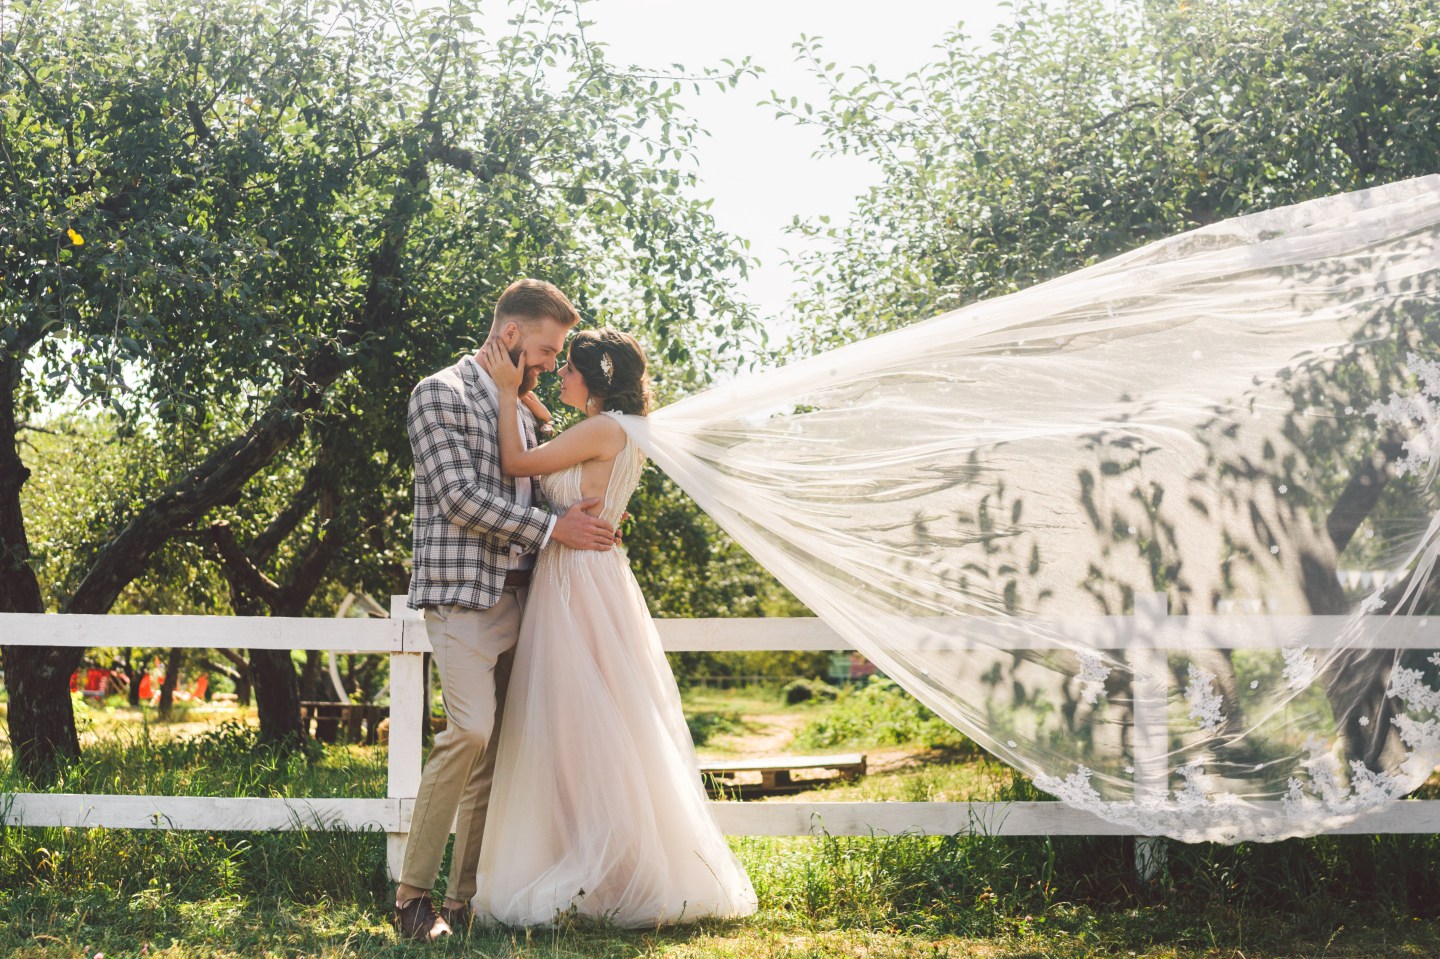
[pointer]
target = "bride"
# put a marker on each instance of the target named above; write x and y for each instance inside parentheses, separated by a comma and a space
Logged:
(598, 808)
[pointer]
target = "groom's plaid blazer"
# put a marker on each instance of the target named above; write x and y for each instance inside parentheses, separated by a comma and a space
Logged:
(466, 517)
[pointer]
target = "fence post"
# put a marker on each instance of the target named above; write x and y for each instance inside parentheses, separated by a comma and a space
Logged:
(407, 712)
(1150, 672)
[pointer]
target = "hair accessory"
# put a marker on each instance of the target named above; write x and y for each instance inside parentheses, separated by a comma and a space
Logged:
(607, 366)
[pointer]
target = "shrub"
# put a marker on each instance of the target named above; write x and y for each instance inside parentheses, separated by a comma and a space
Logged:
(879, 713)
(806, 690)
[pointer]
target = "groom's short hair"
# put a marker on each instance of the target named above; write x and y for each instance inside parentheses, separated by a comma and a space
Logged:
(527, 301)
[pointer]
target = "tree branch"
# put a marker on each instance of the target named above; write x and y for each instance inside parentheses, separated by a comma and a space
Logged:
(240, 570)
(287, 519)
(226, 471)
(310, 569)
(1362, 493)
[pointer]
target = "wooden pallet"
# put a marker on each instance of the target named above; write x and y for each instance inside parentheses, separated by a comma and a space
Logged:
(723, 777)
(334, 720)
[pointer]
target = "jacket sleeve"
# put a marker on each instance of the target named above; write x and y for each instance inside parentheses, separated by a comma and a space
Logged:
(442, 456)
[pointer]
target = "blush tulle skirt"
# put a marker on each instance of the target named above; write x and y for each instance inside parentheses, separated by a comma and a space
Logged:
(597, 808)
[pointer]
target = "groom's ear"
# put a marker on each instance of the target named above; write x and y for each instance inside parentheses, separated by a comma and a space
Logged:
(510, 333)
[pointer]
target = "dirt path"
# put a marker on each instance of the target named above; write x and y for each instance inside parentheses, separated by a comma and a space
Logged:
(131, 721)
(768, 735)
(773, 734)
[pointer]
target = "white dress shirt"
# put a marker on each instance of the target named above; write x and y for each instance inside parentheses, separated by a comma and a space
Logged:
(520, 558)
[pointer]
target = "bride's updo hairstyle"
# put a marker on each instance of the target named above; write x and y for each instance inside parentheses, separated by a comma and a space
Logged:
(612, 364)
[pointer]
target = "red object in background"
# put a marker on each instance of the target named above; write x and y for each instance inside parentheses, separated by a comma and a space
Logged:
(97, 682)
(860, 667)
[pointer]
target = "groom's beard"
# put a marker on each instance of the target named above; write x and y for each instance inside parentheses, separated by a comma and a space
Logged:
(531, 375)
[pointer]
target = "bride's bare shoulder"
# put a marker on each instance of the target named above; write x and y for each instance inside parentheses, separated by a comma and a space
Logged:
(601, 430)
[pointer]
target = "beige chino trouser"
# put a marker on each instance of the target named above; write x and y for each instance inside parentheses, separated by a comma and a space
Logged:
(473, 650)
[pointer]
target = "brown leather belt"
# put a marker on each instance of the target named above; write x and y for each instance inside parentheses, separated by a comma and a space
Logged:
(517, 578)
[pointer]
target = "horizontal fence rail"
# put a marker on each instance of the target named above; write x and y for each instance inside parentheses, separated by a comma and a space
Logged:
(1143, 636)
(737, 635)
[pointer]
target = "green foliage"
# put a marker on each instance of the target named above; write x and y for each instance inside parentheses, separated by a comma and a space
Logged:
(686, 565)
(227, 759)
(878, 713)
(246, 230)
(71, 512)
(808, 690)
(154, 869)
(243, 231)
(1085, 129)
(705, 723)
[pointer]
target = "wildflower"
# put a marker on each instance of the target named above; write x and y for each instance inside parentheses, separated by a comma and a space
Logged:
(75, 238)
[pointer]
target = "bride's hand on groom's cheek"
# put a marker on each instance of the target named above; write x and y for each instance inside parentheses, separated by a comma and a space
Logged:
(497, 362)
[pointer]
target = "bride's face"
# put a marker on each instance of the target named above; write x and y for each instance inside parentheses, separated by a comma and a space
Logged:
(572, 388)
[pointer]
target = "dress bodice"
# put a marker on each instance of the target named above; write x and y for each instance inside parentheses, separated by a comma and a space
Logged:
(562, 488)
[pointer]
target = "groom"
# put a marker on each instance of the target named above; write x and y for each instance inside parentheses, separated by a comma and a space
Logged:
(476, 536)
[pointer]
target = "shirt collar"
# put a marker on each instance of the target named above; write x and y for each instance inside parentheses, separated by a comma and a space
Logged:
(486, 381)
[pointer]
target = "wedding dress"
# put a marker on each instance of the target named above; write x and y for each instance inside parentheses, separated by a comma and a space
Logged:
(598, 808)
(1145, 531)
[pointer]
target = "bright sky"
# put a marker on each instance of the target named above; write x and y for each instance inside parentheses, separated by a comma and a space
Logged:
(759, 169)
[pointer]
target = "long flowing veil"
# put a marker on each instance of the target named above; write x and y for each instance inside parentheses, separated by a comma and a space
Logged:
(1158, 532)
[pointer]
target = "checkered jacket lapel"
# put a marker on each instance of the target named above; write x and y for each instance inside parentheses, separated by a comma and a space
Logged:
(466, 517)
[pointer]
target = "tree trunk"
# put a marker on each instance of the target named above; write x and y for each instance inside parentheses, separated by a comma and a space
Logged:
(172, 678)
(42, 722)
(277, 694)
(241, 676)
(132, 678)
(314, 683)
(252, 593)
(1355, 680)
(37, 678)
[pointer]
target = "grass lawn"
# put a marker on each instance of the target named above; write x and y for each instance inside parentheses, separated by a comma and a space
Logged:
(75, 893)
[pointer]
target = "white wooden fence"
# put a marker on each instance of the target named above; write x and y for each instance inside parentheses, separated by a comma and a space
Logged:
(403, 638)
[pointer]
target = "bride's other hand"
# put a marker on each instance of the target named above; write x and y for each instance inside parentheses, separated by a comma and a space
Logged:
(533, 404)
(579, 530)
(501, 368)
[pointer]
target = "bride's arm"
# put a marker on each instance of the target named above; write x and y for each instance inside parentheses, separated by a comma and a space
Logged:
(598, 437)
(533, 404)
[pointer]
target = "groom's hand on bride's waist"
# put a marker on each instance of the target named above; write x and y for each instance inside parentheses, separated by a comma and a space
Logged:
(579, 530)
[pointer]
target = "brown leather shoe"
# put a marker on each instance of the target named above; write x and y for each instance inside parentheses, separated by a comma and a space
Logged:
(458, 919)
(416, 919)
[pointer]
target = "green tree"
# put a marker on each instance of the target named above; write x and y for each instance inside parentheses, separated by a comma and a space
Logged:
(1085, 129)
(250, 227)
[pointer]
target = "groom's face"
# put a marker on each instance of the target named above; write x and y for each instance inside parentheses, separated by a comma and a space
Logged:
(534, 347)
